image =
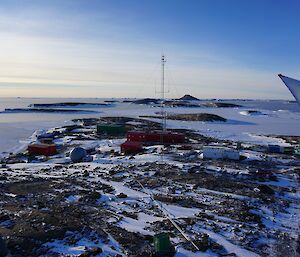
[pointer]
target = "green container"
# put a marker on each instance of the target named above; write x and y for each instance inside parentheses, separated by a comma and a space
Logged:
(110, 129)
(162, 243)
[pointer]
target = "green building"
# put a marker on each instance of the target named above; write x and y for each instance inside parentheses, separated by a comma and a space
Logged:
(111, 129)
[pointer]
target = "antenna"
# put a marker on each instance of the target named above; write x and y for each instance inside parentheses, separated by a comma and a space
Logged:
(162, 105)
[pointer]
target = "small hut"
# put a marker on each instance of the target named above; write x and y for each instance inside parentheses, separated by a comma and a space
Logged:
(130, 147)
(110, 129)
(42, 149)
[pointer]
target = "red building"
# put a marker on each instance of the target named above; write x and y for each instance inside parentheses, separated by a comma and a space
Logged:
(156, 137)
(130, 147)
(42, 149)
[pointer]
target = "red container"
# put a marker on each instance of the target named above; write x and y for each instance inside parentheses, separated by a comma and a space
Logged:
(42, 149)
(136, 136)
(131, 147)
(156, 137)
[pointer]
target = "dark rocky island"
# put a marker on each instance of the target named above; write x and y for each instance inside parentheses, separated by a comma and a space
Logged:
(170, 103)
(147, 101)
(67, 104)
(192, 117)
(111, 101)
(188, 98)
(180, 103)
(47, 110)
(220, 105)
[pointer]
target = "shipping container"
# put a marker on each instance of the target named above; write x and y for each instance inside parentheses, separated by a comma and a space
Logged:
(281, 149)
(214, 152)
(288, 149)
(130, 147)
(156, 137)
(275, 149)
(42, 149)
(111, 129)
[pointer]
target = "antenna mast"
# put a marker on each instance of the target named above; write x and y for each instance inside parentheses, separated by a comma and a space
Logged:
(163, 114)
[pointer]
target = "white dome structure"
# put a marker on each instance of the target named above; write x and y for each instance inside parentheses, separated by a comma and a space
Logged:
(77, 154)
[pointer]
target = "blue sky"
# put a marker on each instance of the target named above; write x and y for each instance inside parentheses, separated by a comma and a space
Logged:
(84, 48)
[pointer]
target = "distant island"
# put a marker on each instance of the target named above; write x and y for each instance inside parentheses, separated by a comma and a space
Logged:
(208, 117)
(180, 102)
(147, 101)
(188, 98)
(46, 110)
(220, 105)
(68, 104)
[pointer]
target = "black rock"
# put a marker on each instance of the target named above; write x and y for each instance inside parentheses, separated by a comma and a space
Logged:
(266, 189)
(122, 195)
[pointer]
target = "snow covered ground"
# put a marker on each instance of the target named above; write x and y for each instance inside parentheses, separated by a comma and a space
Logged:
(116, 203)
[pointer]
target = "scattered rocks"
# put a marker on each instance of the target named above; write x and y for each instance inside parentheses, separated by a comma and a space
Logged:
(45, 202)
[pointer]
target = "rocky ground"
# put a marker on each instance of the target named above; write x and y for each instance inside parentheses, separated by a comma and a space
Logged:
(114, 205)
